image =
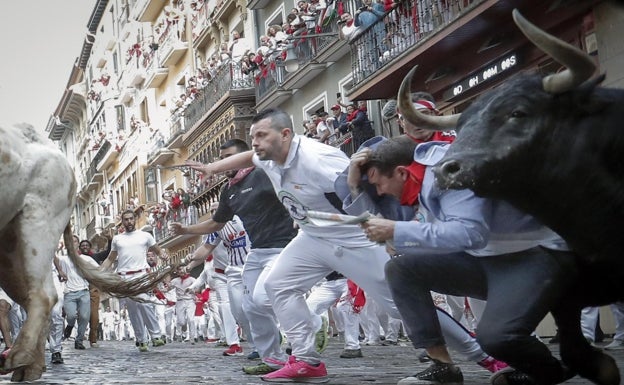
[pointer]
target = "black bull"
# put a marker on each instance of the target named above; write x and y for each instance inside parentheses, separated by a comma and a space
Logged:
(553, 147)
(559, 158)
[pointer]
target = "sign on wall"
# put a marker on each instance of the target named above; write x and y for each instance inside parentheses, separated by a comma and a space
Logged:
(486, 73)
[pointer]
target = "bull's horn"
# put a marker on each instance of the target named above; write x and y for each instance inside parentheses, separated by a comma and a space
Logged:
(428, 122)
(579, 65)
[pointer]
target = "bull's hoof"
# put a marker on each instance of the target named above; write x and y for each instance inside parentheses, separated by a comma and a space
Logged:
(3, 357)
(604, 370)
(19, 358)
(27, 373)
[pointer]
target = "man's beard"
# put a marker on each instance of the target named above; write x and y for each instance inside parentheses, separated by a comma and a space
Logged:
(129, 228)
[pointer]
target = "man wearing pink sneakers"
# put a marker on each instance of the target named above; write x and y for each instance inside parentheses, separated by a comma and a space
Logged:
(303, 172)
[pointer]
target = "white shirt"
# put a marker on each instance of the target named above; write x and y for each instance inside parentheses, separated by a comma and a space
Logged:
(131, 250)
(306, 182)
(181, 286)
(75, 282)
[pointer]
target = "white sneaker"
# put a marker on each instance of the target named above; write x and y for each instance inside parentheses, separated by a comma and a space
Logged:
(615, 345)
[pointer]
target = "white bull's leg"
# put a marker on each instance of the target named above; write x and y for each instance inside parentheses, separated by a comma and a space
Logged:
(28, 281)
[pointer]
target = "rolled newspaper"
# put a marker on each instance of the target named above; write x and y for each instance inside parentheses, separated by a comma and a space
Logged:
(320, 218)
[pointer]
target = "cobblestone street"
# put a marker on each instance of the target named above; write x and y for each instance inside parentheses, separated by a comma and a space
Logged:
(183, 363)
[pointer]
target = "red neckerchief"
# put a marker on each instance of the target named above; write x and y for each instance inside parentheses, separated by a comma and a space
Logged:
(438, 136)
(350, 22)
(411, 187)
(352, 115)
(416, 171)
(356, 296)
(240, 175)
(185, 276)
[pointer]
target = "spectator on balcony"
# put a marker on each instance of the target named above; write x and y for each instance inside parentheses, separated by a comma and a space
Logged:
(358, 124)
(225, 54)
(265, 46)
(248, 65)
(310, 129)
(175, 19)
(308, 15)
(395, 41)
(294, 23)
(276, 36)
(322, 129)
(337, 119)
(348, 27)
(371, 14)
(239, 47)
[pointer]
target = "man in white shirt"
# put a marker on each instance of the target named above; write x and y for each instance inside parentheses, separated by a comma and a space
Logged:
(129, 250)
(76, 299)
(303, 173)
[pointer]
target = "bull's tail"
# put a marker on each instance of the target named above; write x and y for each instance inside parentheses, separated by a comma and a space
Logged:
(110, 282)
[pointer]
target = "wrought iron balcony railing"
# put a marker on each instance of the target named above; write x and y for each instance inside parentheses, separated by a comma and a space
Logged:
(227, 77)
(405, 25)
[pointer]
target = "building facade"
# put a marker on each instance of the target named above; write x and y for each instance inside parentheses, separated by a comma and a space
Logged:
(158, 82)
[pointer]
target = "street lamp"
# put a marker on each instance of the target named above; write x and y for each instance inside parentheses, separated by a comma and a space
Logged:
(291, 63)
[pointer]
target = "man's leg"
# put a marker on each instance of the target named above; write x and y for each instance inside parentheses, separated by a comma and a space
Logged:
(236, 292)
(136, 320)
(411, 280)
(70, 307)
(84, 309)
(5, 324)
(94, 298)
(522, 288)
(300, 265)
(258, 308)
(296, 270)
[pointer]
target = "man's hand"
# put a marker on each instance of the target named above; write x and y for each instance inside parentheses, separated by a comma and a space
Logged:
(378, 229)
(205, 169)
(177, 228)
(354, 178)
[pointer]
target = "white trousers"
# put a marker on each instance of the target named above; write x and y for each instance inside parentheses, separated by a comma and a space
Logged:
(327, 294)
(142, 315)
(236, 290)
(185, 318)
(257, 306)
(219, 292)
(305, 261)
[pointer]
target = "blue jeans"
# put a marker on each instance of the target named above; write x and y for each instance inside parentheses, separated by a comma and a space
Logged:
(78, 304)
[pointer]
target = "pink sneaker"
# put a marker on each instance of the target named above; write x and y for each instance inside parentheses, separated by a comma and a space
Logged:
(492, 364)
(234, 350)
(298, 371)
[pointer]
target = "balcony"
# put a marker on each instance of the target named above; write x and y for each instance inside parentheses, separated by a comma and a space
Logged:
(223, 9)
(127, 94)
(201, 24)
(171, 47)
(228, 82)
(147, 10)
(447, 40)
(154, 73)
(109, 157)
(91, 228)
(257, 4)
(313, 54)
(94, 177)
(206, 194)
(159, 218)
(177, 128)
